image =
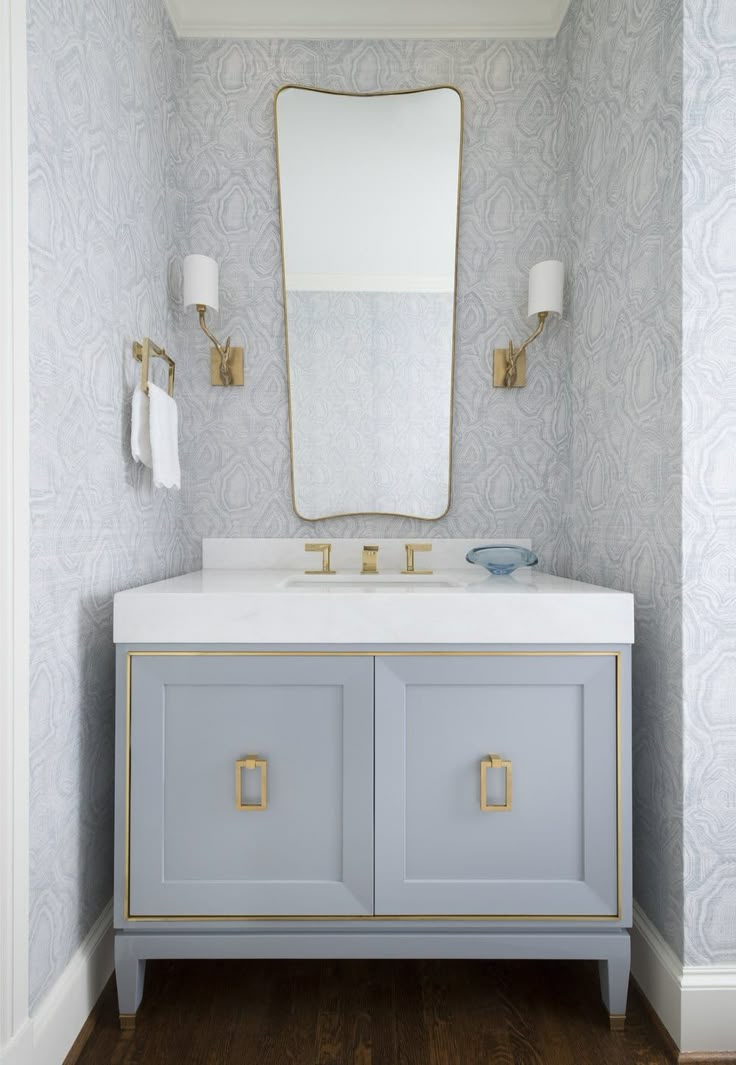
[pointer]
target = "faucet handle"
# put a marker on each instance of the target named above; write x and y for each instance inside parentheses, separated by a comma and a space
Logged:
(410, 549)
(325, 549)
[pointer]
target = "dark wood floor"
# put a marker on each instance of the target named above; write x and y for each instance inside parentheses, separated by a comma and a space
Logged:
(372, 1013)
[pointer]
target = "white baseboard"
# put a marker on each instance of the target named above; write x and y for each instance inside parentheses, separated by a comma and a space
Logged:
(19, 1050)
(48, 1035)
(696, 1003)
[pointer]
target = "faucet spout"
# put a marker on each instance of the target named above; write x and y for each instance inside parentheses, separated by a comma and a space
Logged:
(370, 559)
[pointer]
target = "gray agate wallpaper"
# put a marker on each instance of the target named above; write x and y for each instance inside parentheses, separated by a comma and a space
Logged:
(144, 148)
(141, 144)
(709, 480)
(100, 91)
(510, 451)
(622, 109)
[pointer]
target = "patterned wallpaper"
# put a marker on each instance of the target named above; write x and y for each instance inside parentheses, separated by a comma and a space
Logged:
(100, 233)
(709, 481)
(623, 112)
(120, 175)
(143, 148)
(510, 448)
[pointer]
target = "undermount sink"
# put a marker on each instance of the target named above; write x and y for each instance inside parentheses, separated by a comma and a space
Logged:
(390, 582)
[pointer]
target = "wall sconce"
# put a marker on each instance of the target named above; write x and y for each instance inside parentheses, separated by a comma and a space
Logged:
(546, 282)
(201, 290)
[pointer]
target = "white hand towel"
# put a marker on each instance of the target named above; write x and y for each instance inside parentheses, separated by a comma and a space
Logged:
(140, 429)
(164, 438)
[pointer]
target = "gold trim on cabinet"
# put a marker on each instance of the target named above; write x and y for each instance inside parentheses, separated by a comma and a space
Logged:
(390, 92)
(619, 789)
(128, 711)
(296, 918)
(291, 918)
(373, 654)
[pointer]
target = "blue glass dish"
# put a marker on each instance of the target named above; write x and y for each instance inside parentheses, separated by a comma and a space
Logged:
(501, 559)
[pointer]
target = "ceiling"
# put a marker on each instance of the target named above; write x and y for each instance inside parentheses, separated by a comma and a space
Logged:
(367, 18)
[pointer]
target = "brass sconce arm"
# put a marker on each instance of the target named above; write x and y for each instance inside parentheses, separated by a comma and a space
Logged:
(512, 353)
(200, 289)
(546, 295)
(226, 376)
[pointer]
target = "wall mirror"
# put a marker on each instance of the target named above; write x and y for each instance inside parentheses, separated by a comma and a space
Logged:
(369, 192)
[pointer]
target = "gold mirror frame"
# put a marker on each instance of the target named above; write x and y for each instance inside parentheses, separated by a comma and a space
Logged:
(390, 92)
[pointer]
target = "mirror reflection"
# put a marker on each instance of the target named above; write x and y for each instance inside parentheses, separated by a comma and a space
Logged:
(369, 190)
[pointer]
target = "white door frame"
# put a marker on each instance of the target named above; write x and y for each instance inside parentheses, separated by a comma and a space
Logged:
(14, 523)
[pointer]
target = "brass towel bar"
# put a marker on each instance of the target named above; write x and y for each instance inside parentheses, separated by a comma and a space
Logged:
(142, 352)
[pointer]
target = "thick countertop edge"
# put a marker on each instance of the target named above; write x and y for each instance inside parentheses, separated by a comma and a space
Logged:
(557, 611)
(341, 621)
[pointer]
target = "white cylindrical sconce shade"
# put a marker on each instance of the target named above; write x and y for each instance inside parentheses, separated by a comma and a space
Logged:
(201, 282)
(546, 283)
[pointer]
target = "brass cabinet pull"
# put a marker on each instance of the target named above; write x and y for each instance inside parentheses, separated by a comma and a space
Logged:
(494, 762)
(325, 549)
(251, 762)
(410, 549)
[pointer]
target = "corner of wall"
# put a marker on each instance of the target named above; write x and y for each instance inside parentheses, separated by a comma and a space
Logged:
(14, 532)
(50, 1033)
(695, 1003)
(100, 233)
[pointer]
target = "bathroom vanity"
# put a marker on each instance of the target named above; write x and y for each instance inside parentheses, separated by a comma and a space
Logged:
(376, 765)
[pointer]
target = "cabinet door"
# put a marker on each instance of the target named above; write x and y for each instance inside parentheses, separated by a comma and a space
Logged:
(290, 833)
(554, 850)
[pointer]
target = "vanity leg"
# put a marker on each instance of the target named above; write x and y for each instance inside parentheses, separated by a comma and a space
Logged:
(129, 975)
(614, 977)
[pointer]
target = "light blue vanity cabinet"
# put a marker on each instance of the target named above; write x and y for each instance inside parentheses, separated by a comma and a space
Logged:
(211, 835)
(544, 843)
(373, 802)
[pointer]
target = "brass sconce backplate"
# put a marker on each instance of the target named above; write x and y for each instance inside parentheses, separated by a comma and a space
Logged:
(500, 363)
(236, 366)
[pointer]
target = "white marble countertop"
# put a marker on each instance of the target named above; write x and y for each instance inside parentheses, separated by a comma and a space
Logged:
(455, 606)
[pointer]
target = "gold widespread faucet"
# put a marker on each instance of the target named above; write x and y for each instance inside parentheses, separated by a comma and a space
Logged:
(410, 549)
(370, 559)
(325, 549)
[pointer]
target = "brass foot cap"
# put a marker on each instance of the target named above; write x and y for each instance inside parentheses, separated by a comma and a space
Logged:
(617, 1021)
(127, 1022)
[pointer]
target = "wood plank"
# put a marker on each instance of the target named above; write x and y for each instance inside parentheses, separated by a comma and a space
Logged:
(371, 1013)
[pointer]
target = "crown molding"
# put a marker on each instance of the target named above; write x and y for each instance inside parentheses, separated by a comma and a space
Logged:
(367, 32)
(173, 13)
(222, 27)
(562, 7)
